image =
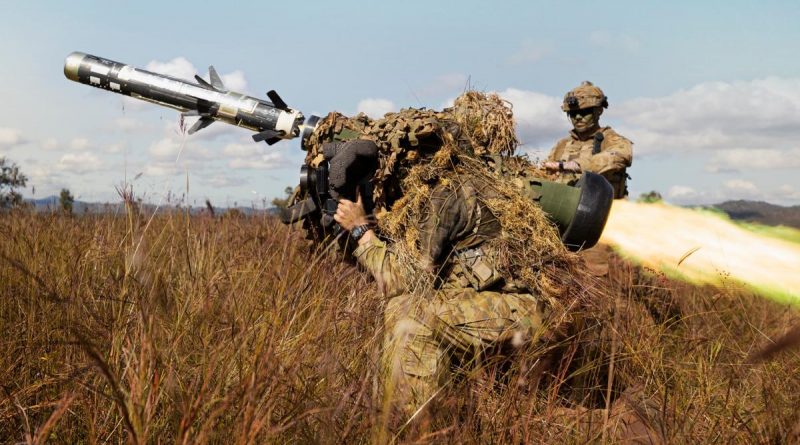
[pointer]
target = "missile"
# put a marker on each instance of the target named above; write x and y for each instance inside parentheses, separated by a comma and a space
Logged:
(272, 120)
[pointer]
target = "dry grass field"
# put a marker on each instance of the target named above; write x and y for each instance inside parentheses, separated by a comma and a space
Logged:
(201, 329)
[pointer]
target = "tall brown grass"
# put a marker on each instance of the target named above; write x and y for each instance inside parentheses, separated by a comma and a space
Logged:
(179, 329)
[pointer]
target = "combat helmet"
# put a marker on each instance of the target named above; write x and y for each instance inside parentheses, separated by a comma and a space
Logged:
(586, 95)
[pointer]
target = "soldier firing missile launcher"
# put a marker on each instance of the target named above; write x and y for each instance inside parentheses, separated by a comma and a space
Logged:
(580, 211)
(210, 100)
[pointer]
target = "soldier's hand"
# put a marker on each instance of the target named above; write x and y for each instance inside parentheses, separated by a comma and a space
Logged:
(569, 166)
(350, 214)
(551, 165)
(572, 166)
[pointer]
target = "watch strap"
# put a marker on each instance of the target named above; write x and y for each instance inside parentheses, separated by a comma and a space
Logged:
(359, 231)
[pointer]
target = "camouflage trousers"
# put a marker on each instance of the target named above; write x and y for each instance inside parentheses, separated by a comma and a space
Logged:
(424, 336)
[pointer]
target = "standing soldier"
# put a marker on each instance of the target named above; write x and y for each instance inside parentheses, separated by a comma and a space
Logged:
(590, 147)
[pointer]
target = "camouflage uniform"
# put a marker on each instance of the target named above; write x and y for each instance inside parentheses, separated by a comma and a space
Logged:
(603, 151)
(472, 308)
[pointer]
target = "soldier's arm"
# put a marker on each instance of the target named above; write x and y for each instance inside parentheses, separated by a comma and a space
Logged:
(616, 156)
(556, 151)
(553, 162)
(451, 214)
(372, 253)
(380, 261)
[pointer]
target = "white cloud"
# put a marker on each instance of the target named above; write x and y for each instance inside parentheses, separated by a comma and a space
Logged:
(128, 124)
(788, 192)
(173, 148)
(10, 137)
(742, 187)
(79, 144)
(722, 116)
(226, 181)
(253, 156)
(733, 189)
(614, 41)
(45, 179)
(49, 144)
(540, 121)
(178, 67)
(745, 125)
(84, 162)
(234, 81)
(750, 159)
(265, 161)
(681, 192)
(166, 148)
(243, 150)
(375, 108)
(162, 169)
(181, 68)
(117, 147)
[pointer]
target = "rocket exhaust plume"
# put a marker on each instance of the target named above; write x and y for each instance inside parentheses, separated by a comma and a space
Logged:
(704, 249)
(271, 120)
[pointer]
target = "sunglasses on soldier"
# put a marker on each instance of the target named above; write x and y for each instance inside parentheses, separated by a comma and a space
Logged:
(581, 112)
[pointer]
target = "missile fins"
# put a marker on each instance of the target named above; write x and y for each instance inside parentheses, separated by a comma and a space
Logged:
(216, 82)
(269, 136)
(204, 122)
(277, 101)
(203, 83)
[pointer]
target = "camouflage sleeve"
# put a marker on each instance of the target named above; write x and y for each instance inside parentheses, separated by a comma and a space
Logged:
(617, 154)
(381, 262)
(555, 152)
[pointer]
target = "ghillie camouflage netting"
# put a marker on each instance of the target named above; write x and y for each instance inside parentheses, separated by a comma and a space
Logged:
(420, 149)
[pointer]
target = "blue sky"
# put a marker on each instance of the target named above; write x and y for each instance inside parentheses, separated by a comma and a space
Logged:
(709, 92)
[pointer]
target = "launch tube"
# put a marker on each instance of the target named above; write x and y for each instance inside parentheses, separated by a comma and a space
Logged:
(209, 100)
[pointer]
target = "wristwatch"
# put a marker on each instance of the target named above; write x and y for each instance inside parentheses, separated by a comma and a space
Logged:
(359, 231)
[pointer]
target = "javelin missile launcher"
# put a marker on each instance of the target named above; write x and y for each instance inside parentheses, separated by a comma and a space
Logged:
(580, 212)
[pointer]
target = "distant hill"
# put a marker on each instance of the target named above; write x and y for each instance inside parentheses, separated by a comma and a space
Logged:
(51, 204)
(761, 212)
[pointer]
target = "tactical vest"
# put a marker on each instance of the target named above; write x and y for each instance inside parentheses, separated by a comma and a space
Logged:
(577, 150)
(476, 267)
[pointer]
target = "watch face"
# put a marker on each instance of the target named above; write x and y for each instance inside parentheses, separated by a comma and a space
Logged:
(358, 232)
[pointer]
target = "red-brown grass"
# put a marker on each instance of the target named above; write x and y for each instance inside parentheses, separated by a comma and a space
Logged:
(201, 329)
